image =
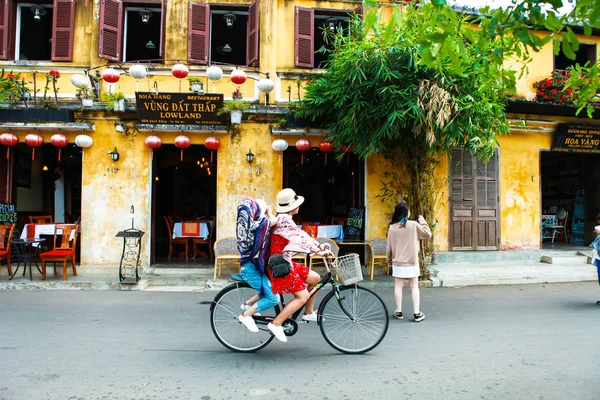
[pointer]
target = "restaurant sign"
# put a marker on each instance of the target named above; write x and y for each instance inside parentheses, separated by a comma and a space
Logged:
(179, 108)
(573, 137)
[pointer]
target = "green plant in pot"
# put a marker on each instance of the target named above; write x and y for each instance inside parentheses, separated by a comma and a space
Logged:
(196, 84)
(86, 95)
(235, 108)
(115, 101)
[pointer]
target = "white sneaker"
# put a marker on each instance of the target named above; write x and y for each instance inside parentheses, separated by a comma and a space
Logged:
(310, 317)
(277, 331)
(248, 322)
(246, 307)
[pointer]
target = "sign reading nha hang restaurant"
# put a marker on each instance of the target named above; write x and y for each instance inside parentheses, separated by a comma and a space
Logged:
(577, 137)
(179, 108)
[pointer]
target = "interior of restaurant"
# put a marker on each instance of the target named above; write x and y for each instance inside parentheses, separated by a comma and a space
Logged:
(184, 194)
(570, 197)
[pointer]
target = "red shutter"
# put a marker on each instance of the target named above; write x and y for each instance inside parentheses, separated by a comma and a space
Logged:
(252, 43)
(4, 11)
(198, 25)
(63, 28)
(111, 30)
(304, 53)
(163, 27)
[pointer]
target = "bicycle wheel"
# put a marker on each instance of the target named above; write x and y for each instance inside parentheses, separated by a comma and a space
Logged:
(228, 329)
(364, 330)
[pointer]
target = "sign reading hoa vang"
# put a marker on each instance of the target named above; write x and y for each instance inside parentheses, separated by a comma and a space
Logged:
(179, 108)
(572, 137)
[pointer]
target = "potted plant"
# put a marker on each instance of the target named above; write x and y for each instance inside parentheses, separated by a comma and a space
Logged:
(86, 94)
(196, 84)
(235, 108)
(115, 101)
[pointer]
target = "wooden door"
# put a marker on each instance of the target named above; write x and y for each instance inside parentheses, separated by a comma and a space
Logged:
(474, 210)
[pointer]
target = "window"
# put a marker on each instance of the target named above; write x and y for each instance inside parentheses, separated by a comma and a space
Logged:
(132, 31)
(311, 47)
(223, 34)
(39, 32)
(586, 52)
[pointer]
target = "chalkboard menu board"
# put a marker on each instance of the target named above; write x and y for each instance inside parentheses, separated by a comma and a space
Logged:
(8, 214)
(355, 224)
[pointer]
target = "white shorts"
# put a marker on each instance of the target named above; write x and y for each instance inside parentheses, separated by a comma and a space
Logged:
(406, 271)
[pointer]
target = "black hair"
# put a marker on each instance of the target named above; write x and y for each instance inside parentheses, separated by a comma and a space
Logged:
(400, 214)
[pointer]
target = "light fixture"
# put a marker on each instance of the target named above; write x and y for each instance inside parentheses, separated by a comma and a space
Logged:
(250, 156)
(229, 18)
(150, 45)
(331, 23)
(145, 15)
(119, 128)
(38, 12)
(227, 48)
(45, 168)
(114, 155)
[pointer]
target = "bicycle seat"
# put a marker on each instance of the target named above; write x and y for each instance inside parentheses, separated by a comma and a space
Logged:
(237, 278)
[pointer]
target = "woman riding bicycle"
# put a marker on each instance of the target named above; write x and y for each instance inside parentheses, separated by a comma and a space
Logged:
(287, 239)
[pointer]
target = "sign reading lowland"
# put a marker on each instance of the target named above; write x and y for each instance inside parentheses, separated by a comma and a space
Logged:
(572, 137)
(179, 108)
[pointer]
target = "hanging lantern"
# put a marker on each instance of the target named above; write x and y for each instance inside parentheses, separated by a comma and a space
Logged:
(214, 73)
(180, 71)
(280, 145)
(182, 142)
(79, 80)
(212, 143)
(266, 85)
(138, 71)
(8, 140)
(59, 141)
(348, 150)
(111, 75)
(34, 141)
(302, 145)
(238, 76)
(83, 141)
(325, 147)
(153, 142)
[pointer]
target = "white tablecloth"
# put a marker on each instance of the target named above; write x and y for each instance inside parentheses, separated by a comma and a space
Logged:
(43, 229)
(331, 231)
(178, 227)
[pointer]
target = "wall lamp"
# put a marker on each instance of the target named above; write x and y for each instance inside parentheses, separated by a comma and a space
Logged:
(145, 15)
(229, 18)
(114, 155)
(249, 156)
(38, 12)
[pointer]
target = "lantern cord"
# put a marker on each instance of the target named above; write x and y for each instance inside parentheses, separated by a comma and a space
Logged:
(8, 153)
(325, 159)
(181, 157)
(211, 156)
(58, 155)
(302, 159)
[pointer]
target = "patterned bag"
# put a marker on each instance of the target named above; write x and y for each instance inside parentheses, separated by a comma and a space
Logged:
(279, 265)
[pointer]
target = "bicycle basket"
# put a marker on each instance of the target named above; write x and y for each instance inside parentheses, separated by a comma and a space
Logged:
(348, 268)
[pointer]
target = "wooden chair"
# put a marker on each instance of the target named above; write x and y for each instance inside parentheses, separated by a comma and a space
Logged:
(177, 241)
(6, 234)
(225, 250)
(40, 219)
(63, 252)
(314, 258)
(378, 251)
(338, 220)
(209, 241)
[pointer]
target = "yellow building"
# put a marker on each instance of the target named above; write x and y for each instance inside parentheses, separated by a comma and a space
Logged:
(501, 208)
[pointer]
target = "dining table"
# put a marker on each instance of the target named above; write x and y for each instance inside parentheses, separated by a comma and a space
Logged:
(191, 229)
(26, 254)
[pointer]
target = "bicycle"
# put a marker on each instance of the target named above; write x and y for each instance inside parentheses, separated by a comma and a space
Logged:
(356, 322)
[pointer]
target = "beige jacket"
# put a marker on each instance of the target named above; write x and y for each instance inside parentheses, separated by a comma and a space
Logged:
(403, 243)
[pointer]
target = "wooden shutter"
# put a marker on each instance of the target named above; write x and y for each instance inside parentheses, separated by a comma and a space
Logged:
(304, 53)
(252, 27)
(462, 217)
(360, 11)
(487, 203)
(111, 30)
(163, 28)
(63, 29)
(198, 30)
(4, 28)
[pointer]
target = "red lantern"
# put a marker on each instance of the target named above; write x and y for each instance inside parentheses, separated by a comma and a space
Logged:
(8, 140)
(153, 142)
(212, 143)
(348, 150)
(34, 141)
(180, 71)
(302, 145)
(182, 142)
(59, 141)
(326, 147)
(238, 76)
(111, 75)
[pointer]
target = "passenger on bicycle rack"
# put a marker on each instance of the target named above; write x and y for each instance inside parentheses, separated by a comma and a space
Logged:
(287, 239)
(253, 224)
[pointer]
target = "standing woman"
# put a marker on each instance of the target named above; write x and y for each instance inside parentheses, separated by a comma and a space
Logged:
(287, 239)
(403, 255)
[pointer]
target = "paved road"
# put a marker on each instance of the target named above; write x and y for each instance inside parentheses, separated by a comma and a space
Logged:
(502, 342)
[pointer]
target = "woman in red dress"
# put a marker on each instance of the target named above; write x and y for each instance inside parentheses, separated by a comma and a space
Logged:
(288, 239)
